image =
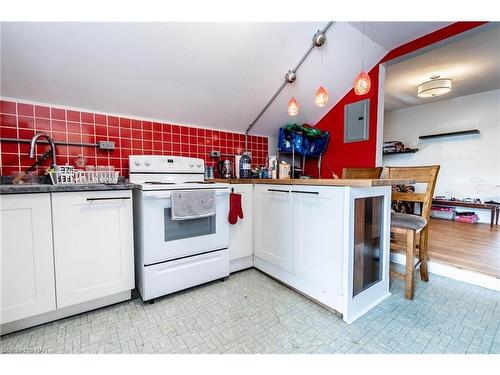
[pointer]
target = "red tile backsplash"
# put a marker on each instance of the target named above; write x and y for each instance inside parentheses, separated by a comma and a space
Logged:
(131, 136)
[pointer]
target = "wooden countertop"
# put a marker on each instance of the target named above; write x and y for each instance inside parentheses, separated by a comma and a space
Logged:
(319, 182)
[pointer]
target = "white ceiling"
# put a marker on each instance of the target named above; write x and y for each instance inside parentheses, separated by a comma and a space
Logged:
(473, 64)
(216, 75)
(394, 34)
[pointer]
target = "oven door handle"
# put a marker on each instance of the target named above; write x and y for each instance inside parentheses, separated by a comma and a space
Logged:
(168, 195)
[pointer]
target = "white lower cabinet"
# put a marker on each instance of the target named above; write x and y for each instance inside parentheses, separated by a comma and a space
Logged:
(273, 225)
(27, 264)
(241, 244)
(93, 245)
(298, 238)
(317, 227)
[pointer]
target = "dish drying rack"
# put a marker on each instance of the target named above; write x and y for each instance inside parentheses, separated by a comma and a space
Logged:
(83, 177)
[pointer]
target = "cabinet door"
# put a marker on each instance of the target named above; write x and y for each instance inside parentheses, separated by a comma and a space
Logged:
(273, 225)
(242, 232)
(93, 245)
(27, 264)
(317, 236)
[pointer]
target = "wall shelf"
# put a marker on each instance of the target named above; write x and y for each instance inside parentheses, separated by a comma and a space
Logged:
(407, 151)
(450, 134)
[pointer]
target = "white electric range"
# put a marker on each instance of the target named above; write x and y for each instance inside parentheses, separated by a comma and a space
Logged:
(171, 255)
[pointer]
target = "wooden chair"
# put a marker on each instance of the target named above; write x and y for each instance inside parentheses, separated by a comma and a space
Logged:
(361, 173)
(407, 225)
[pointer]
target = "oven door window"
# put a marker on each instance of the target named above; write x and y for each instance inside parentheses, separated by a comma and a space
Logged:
(181, 229)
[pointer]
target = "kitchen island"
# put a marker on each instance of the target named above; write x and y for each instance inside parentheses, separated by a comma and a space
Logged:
(328, 239)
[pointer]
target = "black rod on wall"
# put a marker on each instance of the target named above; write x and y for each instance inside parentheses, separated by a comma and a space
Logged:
(450, 134)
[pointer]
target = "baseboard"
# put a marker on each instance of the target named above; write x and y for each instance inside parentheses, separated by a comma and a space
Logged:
(64, 312)
(455, 273)
(241, 263)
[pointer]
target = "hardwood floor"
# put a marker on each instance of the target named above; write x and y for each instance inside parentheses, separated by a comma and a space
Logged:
(470, 246)
(474, 247)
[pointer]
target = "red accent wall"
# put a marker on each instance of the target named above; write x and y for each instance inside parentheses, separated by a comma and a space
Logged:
(362, 154)
(355, 154)
(131, 136)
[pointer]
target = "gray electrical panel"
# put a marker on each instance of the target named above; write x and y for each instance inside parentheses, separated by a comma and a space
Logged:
(356, 121)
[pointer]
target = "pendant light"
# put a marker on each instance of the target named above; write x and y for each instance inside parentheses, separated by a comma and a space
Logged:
(321, 96)
(362, 83)
(293, 107)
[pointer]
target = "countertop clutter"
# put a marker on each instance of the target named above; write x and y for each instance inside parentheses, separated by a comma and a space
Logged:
(319, 182)
(48, 188)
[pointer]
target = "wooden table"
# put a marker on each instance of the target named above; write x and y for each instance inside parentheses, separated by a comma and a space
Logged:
(494, 208)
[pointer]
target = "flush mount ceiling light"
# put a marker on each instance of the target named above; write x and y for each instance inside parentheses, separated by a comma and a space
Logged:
(435, 87)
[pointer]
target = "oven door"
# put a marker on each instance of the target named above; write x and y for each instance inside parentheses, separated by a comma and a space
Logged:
(166, 239)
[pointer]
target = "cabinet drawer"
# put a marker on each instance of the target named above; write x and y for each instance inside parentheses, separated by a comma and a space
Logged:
(168, 277)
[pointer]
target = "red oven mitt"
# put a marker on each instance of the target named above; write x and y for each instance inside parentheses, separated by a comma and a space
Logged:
(235, 209)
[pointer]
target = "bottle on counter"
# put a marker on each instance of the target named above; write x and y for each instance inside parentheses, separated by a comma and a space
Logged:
(245, 166)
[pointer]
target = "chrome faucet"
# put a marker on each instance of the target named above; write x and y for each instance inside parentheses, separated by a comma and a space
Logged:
(51, 143)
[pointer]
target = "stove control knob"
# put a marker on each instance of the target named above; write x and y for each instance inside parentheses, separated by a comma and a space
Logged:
(147, 163)
(137, 162)
(198, 166)
(191, 165)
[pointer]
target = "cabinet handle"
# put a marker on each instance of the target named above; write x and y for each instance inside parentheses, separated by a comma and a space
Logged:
(105, 199)
(305, 192)
(278, 190)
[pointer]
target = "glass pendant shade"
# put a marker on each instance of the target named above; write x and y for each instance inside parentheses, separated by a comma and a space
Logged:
(293, 107)
(362, 83)
(321, 97)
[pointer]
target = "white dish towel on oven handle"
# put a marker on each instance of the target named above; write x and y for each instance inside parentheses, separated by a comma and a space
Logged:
(192, 204)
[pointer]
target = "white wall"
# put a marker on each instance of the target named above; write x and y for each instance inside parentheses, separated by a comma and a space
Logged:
(470, 165)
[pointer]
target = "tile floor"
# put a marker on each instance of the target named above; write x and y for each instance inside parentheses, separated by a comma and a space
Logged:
(252, 313)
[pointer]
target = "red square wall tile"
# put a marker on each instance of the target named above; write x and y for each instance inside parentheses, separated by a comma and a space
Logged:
(88, 129)
(8, 132)
(58, 114)
(100, 119)
(7, 107)
(26, 133)
(113, 131)
(113, 121)
(25, 109)
(137, 143)
(74, 127)
(125, 132)
(8, 120)
(157, 127)
(147, 126)
(58, 126)
(136, 124)
(42, 111)
(42, 125)
(88, 117)
(124, 122)
(10, 148)
(136, 134)
(26, 122)
(10, 159)
(74, 137)
(73, 115)
(59, 136)
(102, 131)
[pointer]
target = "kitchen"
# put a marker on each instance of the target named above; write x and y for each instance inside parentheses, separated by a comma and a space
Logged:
(133, 224)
